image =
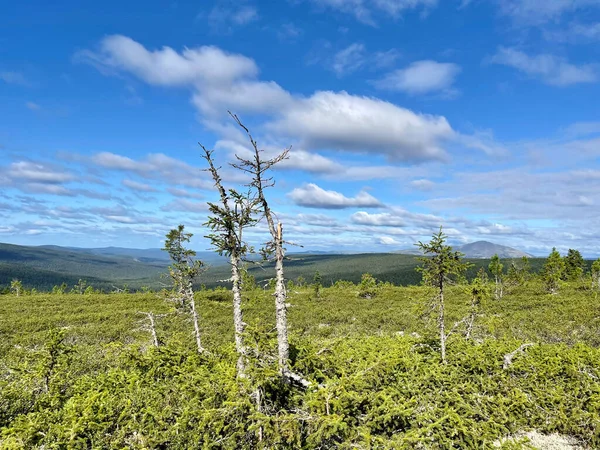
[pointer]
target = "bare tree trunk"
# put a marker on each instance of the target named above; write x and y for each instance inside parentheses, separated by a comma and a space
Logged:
(283, 346)
(471, 319)
(441, 325)
(192, 303)
(153, 329)
(238, 321)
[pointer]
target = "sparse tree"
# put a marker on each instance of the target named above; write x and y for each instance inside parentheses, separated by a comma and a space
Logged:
(80, 287)
(553, 271)
(440, 265)
(496, 268)
(227, 222)
(258, 168)
(317, 284)
(59, 290)
(574, 266)
(16, 287)
(479, 290)
(183, 271)
(368, 286)
(596, 275)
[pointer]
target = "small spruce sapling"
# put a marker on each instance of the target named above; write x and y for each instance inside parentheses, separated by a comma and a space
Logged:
(596, 275)
(440, 266)
(552, 272)
(496, 269)
(183, 270)
(317, 284)
(574, 266)
(368, 286)
(16, 287)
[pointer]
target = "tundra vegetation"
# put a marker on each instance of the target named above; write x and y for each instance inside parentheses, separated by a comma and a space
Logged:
(456, 362)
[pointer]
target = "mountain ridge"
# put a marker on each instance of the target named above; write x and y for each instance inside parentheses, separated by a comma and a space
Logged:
(479, 250)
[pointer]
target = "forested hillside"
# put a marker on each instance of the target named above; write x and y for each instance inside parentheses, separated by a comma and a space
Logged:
(44, 267)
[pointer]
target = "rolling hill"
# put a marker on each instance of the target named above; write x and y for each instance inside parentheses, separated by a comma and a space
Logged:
(105, 268)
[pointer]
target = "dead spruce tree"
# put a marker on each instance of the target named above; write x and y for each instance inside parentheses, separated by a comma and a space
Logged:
(257, 168)
(440, 265)
(227, 223)
(183, 271)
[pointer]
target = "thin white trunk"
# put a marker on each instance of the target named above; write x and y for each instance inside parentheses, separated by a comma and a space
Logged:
(283, 347)
(441, 323)
(238, 321)
(192, 303)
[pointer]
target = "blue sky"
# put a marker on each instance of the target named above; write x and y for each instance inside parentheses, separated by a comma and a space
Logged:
(403, 115)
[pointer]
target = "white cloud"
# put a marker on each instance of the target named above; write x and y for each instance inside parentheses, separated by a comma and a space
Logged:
(183, 193)
(136, 186)
(388, 240)
(421, 77)
(14, 78)
(550, 69)
(156, 166)
(422, 184)
(349, 59)
(226, 15)
(363, 9)
(167, 67)
(38, 173)
(379, 220)
(181, 204)
(536, 12)
(289, 32)
(324, 120)
(313, 196)
(346, 122)
(575, 33)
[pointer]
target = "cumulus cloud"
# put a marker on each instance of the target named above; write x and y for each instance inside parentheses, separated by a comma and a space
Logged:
(38, 173)
(136, 186)
(551, 69)
(182, 204)
(422, 184)
(347, 122)
(421, 77)
(323, 120)
(312, 196)
(381, 219)
(166, 66)
(155, 166)
(388, 240)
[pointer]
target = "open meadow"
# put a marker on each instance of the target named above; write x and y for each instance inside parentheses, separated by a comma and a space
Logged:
(81, 371)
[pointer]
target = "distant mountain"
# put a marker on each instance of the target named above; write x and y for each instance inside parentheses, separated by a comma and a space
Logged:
(149, 255)
(485, 250)
(479, 250)
(46, 266)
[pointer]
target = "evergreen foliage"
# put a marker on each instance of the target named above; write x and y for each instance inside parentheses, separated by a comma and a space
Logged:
(372, 387)
(553, 272)
(574, 266)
